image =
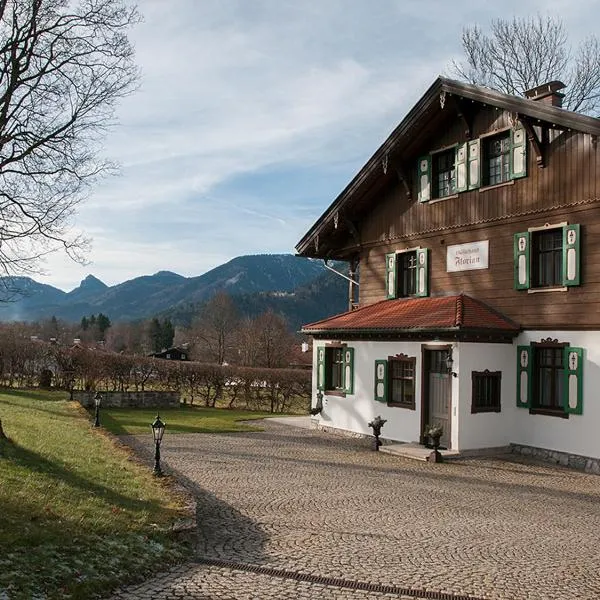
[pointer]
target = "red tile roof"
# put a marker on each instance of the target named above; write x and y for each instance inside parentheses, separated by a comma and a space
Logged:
(449, 312)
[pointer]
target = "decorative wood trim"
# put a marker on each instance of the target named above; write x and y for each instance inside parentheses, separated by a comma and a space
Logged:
(547, 289)
(497, 185)
(464, 113)
(402, 178)
(353, 230)
(538, 146)
(511, 217)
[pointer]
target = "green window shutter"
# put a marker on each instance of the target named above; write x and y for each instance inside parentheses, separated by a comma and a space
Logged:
(518, 153)
(521, 253)
(381, 380)
(349, 370)
(474, 164)
(390, 275)
(320, 368)
(424, 178)
(460, 164)
(524, 357)
(571, 255)
(573, 387)
(422, 272)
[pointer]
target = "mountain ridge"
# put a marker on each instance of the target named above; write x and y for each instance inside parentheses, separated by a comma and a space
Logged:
(248, 278)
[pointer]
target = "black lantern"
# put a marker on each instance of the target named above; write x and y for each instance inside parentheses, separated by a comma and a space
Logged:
(450, 364)
(158, 430)
(97, 403)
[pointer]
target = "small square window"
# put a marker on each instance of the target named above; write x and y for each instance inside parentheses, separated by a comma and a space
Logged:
(485, 396)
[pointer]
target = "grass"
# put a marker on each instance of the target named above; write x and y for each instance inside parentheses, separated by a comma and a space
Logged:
(76, 514)
(185, 419)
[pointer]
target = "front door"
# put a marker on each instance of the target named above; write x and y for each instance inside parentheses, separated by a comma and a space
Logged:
(437, 393)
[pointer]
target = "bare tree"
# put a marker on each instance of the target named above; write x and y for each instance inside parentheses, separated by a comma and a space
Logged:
(274, 340)
(522, 53)
(63, 66)
(214, 331)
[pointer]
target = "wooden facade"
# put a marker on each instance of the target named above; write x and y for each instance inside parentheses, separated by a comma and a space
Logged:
(388, 217)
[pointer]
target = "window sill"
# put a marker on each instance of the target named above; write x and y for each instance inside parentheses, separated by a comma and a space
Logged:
(549, 412)
(436, 200)
(547, 289)
(400, 405)
(338, 393)
(485, 188)
(475, 411)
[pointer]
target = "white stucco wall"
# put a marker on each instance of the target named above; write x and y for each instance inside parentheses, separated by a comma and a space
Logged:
(353, 412)
(575, 435)
(485, 430)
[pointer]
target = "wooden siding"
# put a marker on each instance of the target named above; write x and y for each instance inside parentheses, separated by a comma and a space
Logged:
(565, 190)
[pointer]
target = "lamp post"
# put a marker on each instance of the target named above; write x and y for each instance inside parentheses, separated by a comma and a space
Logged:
(97, 403)
(158, 430)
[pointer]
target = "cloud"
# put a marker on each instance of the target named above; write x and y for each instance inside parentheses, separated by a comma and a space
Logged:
(251, 117)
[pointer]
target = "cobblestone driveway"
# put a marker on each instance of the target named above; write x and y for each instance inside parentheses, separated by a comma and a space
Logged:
(288, 504)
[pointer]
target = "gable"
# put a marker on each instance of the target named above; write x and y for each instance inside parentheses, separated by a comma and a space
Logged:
(450, 113)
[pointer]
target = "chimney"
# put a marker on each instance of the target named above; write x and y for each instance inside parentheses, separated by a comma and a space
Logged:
(547, 93)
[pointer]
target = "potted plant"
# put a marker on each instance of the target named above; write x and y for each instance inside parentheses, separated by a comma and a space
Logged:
(434, 433)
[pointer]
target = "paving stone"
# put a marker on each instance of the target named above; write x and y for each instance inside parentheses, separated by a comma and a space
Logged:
(304, 502)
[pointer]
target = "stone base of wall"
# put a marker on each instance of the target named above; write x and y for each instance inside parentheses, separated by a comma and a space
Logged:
(129, 399)
(573, 461)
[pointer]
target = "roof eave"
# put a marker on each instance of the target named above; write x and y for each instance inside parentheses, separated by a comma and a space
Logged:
(523, 106)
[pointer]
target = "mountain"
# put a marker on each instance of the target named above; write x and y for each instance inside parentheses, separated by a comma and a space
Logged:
(259, 280)
(321, 297)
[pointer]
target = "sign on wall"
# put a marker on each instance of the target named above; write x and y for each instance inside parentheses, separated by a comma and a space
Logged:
(467, 257)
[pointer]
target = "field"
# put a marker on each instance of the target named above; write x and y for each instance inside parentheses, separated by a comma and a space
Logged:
(77, 514)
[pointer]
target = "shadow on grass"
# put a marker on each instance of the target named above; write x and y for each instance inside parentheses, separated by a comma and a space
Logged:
(37, 394)
(36, 463)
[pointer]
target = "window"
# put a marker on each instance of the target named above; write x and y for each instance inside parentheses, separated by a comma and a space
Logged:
(546, 262)
(485, 395)
(547, 257)
(550, 378)
(395, 381)
(444, 174)
(335, 369)
(407, 274)
(486, 161)
(496, 159)
(402, 381)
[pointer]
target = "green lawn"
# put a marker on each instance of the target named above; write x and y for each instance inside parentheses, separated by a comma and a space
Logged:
(77, 516)
(186, 419)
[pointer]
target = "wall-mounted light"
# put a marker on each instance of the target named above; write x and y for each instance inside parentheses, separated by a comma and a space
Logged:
(305, 346)
(450, 364)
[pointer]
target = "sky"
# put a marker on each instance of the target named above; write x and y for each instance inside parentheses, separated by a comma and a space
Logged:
(252, 115)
